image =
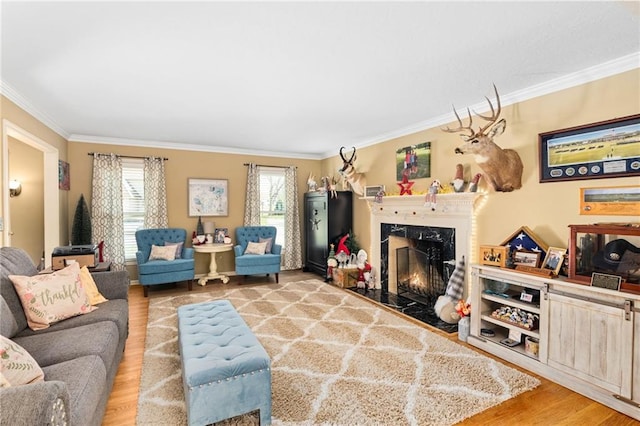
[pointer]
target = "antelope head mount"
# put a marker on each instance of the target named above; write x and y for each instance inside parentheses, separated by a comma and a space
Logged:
(502, 167)
(348, 172)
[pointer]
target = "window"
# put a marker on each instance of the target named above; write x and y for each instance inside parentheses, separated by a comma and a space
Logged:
(132, 203)
(272, 200)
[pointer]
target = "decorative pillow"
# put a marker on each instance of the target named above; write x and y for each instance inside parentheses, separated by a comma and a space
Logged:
(178, 247)
(255, 248)
(17, 366)
(269, 242)
(4, 383)
(50, 298)
(95, 298)
(162, 253)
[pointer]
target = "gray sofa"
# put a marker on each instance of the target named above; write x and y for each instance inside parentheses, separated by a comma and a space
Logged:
(79, 355)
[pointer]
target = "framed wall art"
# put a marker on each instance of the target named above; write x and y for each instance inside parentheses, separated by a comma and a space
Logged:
(600, 150)
(414, 161)
(208, 197)
(613, 200)
(64, 179)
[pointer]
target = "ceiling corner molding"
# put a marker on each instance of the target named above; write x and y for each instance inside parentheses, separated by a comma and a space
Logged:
(7, 91)
(187, 147)
(587, 75)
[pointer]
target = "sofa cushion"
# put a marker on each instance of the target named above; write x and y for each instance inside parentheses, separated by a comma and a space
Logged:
(13, 261)
(164, 267)
(8, 322)
(115, 310)
(86, 380)
(100, 339)
(178, 247)
(162, 253)
(95, 298)
(269, 242)
(52, 297)
(17, 366)
(255, 248)
(251, 260)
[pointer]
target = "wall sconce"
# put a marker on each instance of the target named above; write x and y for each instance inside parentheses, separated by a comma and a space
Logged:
(15, 188)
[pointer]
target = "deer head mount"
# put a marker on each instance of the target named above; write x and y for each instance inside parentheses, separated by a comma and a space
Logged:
(502, 167)
(349, 174)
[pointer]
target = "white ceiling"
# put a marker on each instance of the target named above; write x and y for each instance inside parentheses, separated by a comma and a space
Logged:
(295, 79)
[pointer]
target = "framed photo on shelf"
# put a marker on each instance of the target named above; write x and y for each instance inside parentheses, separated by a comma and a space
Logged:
(526, 258)
(219, 235)
(554, 259)
(493, 255)
(598, 150)
(208, 197)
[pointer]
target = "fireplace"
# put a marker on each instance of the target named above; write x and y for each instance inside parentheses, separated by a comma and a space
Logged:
(414, 251)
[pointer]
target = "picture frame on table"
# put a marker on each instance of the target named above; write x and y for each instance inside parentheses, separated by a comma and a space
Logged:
(526, 258)
(554, 259)
(597, 150)
(208, 197)
(219, 235)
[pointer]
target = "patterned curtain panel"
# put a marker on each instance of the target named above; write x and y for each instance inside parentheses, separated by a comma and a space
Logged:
(252, 196)
(293, 242)
(155, 194)
(106, 207)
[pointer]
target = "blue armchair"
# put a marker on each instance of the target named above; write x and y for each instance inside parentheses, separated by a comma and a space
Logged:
(152, 272)
(253, 264)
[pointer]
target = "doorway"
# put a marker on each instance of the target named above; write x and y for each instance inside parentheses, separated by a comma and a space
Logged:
(50, 193)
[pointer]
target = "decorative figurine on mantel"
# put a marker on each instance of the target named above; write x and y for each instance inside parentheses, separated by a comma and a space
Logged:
(405, 185)
(430, 199)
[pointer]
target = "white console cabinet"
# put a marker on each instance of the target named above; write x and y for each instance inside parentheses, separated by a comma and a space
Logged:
(585, 338)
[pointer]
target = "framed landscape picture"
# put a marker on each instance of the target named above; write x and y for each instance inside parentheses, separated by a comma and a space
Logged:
(599, 150)
(208, 197)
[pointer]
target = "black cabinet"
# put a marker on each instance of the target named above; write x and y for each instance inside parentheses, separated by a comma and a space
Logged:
(326, 219)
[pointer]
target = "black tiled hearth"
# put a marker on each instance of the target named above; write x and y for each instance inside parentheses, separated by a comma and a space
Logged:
(419, 311)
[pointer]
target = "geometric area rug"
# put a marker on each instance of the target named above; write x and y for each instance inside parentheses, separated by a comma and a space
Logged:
(336, 360)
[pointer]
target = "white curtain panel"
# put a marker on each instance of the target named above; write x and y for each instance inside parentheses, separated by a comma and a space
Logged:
(292, 241)
(252, 196)
(155, 194)
(106, 207)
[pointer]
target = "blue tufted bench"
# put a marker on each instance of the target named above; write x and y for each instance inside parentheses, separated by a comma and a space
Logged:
(225, 370)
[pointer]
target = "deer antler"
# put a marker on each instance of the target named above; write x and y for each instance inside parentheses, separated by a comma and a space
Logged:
(462, 127)
(494, 114)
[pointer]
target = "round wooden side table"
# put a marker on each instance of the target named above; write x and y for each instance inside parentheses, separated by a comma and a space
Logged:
(212, 249)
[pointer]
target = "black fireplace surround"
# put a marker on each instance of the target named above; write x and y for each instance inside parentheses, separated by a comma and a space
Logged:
(416, 306)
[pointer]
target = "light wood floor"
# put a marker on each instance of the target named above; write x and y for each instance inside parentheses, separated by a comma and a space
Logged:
(548, 404)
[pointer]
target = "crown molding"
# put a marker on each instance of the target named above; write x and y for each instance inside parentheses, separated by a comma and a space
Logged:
(587, 75)
(606, 69)
(188, 147)
(10, 93)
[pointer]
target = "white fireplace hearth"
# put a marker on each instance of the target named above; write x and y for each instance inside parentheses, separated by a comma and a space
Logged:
(455, 211)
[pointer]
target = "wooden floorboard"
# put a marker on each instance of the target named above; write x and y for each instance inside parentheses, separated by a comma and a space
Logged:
(548, 404)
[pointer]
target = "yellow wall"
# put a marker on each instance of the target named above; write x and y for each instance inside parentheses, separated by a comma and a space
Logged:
(546, 208)
(16, 115)
(181, 166)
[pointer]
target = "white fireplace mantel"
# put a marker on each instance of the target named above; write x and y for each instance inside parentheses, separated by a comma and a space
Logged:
(455, 210)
